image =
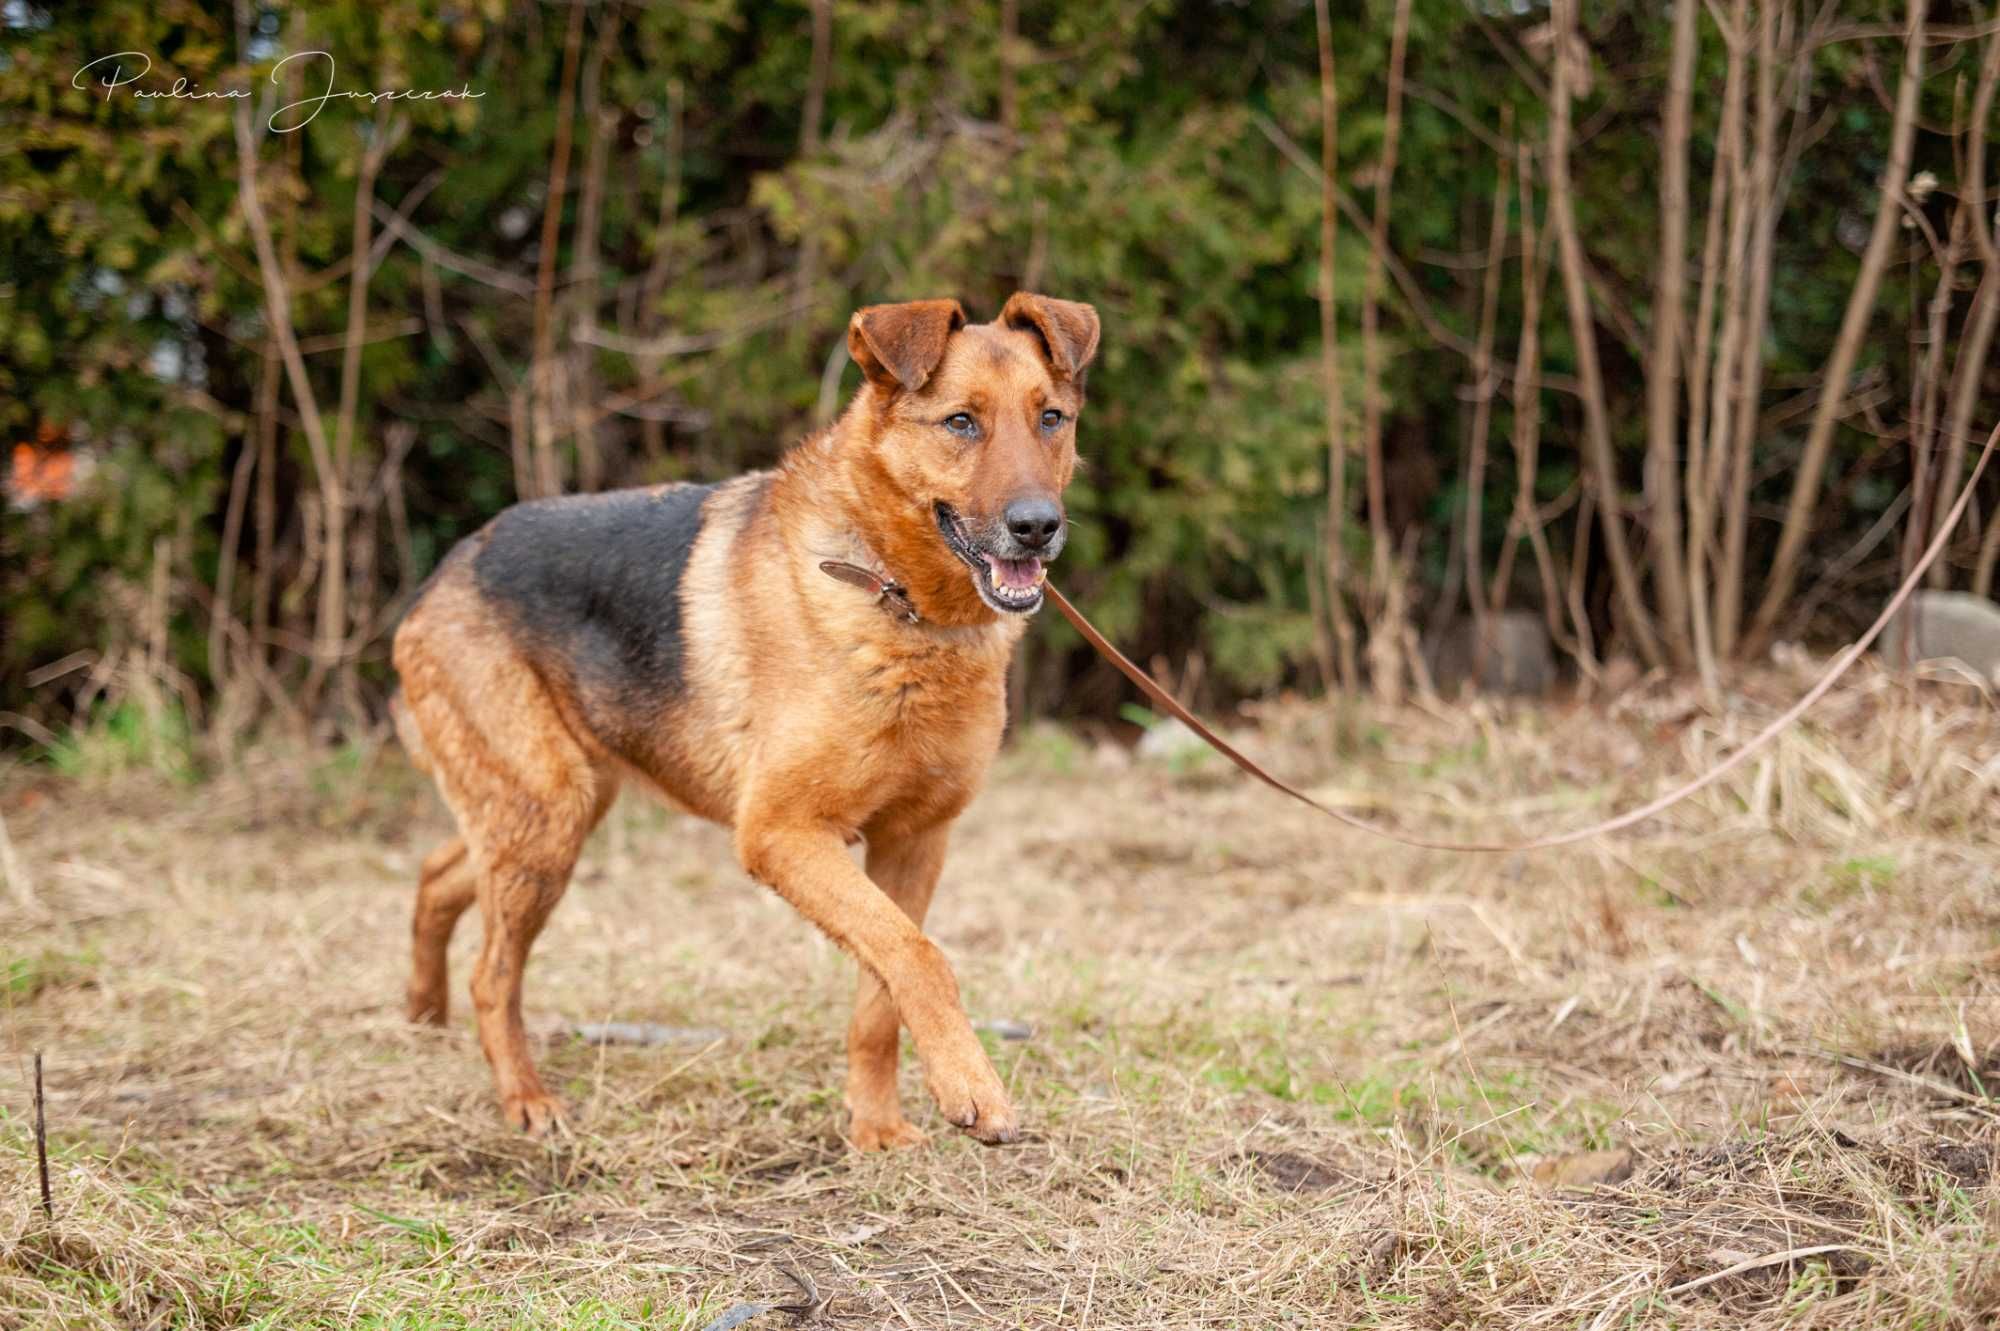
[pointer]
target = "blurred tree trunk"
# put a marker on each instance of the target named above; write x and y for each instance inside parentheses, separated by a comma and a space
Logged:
(1797, 526)
(1386, 668)
(1329, 362)
(1484, 384)
(600, 124)
(1527, 395)
(1976, 338)
(1927, 344)
(1700, 495)
(1725, 452)
(1663, 496)
(1597, 427)
(1766, 184)
(547, 393)
(809, 140)
(653, 285)
(337, 618)
(1527, 522)
(265, 550)
(1010, 23)
(326, 643)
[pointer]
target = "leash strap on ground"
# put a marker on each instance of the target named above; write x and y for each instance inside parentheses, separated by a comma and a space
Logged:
(1167, 703)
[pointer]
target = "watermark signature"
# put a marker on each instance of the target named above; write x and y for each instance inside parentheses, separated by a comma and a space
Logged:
(124, 69)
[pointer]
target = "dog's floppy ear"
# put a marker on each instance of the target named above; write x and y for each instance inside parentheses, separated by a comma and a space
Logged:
(900, 345)
(1068, 329)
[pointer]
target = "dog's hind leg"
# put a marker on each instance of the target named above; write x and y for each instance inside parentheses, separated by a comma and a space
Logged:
(523, 879)
(445, 887)
(526, 792)
(906, 869)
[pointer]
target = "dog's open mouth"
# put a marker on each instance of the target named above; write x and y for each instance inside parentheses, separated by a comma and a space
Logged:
(1013, 586)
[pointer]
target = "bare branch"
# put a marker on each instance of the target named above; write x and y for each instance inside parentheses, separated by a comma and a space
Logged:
(542, 369)
(1330, 385)
(1976, 337)
(448, 259)
(1597, 426)
(1663, 496)
(1482, 415)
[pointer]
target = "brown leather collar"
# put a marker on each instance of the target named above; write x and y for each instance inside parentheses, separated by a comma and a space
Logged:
(893, 596)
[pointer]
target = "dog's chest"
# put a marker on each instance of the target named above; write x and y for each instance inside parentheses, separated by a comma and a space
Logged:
(928, 708)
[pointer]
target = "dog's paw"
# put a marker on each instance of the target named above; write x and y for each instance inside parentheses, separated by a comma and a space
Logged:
(426, 1007)
(883, 1134)
(971, 1097)
(538, 1115)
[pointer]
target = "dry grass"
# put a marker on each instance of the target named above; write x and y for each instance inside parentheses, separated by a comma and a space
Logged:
(1278, 1075)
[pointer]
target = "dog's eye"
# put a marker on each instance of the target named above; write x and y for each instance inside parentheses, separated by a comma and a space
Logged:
(1052, 419)
(961, 423)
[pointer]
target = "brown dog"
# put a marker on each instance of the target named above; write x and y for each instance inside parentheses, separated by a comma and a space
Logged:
(687, 637)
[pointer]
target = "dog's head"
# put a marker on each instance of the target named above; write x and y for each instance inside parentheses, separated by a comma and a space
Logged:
(970, 441)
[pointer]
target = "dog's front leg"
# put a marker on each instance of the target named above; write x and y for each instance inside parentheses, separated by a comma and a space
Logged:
(805, 860)
(906, 867)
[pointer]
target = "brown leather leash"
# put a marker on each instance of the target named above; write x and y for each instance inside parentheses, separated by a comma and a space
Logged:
(893, 595)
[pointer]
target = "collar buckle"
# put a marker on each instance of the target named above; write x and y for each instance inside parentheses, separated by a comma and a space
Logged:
(889, 594)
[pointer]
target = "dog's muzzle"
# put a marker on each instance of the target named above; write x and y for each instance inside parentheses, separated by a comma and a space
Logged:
(1008, 562)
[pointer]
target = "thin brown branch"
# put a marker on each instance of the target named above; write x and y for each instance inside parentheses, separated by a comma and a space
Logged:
(1482, 414)
(1335, 535)
(600, 125)
(1512, 55)
(1663, 494)
(1371, 303)
(1976, 336)
(1942, 34)
(1585, 650)
(1501, 143)
(449, 259)
(1597, 426)
(1523, 521)
(277, 302)
(1700, 496)
(1727, 453)
(225, 566)
(1386, 670)
(819, 71)
(1988, 557)
(1769, 181)
(1010, 24)
(543, 368)
(42, 1142)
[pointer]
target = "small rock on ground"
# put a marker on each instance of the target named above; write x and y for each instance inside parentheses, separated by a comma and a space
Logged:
(1940, 626)
(1170, 740)
(1584, 1170)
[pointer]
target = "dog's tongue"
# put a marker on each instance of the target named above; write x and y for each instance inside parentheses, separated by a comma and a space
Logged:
(1018, 574)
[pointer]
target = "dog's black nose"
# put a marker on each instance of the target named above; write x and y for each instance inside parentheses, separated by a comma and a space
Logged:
(1034, 522)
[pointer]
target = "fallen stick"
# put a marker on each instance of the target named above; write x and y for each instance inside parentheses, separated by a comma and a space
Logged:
(42, 1142)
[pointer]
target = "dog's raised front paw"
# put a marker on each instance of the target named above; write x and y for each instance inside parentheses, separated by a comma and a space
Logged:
(971, 1097)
